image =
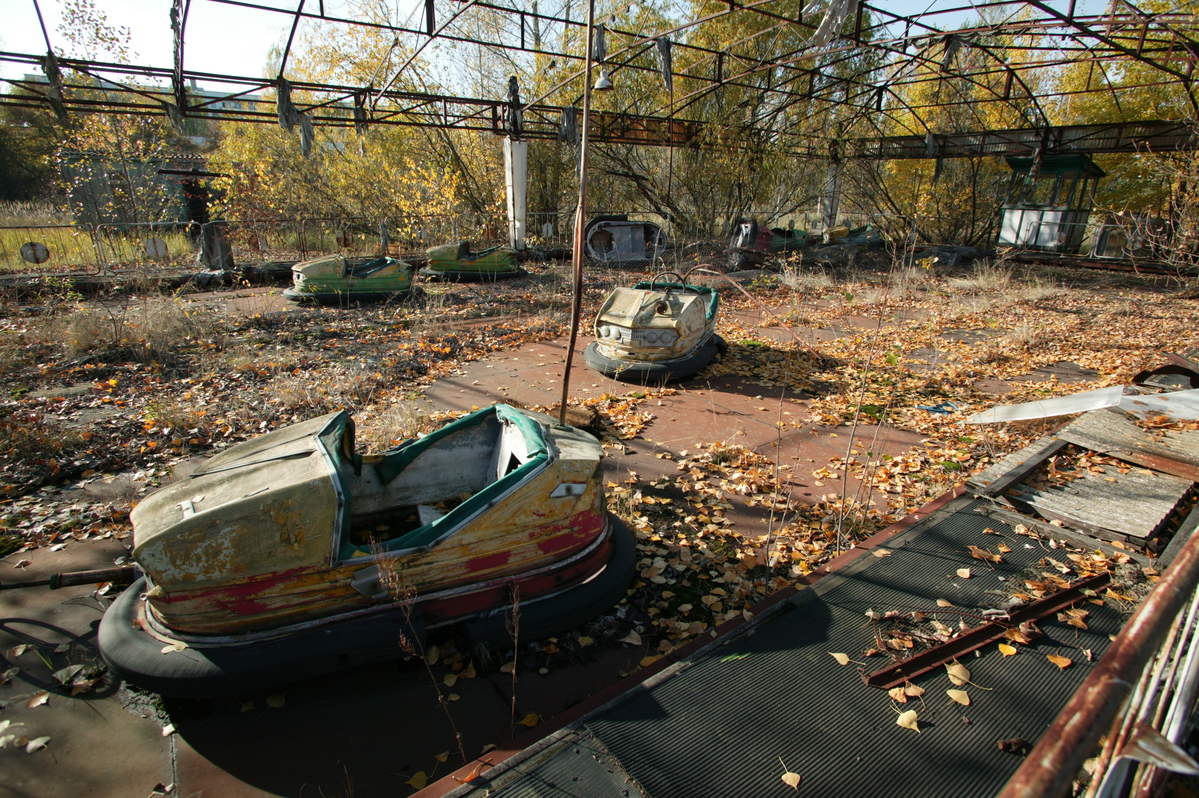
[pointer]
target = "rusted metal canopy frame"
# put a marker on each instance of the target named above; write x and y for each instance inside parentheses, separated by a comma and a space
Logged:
(1051, 767)
(933, 658)
(1168, 31)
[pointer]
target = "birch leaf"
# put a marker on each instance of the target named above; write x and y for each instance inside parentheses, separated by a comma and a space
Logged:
(958, 673)
(898, 694)
(913, 690)
(908, 720)
(944, 603)
(37, 699)
(960, 696)
(964, 573)
(418, 780)
(842, 659)
(1006, 650)
(1061, 662)
(791, 780)
(36, 744)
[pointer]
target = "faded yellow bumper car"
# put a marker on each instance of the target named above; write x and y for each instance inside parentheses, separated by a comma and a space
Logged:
(656, 331)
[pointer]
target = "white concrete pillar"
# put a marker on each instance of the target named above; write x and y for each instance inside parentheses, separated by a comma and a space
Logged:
(516, 163)
(830, 196)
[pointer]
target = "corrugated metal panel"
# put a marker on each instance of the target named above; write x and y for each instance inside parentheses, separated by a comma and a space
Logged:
(1133, 504)
(578, 767)
(1116, 434)
(720, 727)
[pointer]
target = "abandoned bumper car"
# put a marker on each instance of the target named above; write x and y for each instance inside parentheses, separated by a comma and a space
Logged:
(290, 555)
(458, 262)
(336, 279)
(656, 331)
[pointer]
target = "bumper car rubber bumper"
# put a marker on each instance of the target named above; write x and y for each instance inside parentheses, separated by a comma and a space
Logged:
(659, 371)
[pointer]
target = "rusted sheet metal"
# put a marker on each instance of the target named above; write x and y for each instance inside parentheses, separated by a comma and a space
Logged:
(933, 658)
(1113, 433)
(1013, 469)
(1134, 504)
(631, 322)
(1176, 365)
(1051, 767)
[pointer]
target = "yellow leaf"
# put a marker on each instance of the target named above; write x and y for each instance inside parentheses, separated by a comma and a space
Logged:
(913, 690)
(450, 679)
(530, 720)
(842, 659)
(908, 720)
(958, 673)
(432, 654)
(469, 671)
(1006, 650)
(898, 694)
(964, 573)
(650, 660)
(584, 640)
(944, 603)
(508, 667)
(1061, 662)
(488, 747)
(275, 700)
(443, 756)
(880, 553)
(960, 696)
(418, 780)
(791, 780)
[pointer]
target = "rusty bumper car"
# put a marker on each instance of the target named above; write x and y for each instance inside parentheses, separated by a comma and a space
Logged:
(656, 331)
(291, 555)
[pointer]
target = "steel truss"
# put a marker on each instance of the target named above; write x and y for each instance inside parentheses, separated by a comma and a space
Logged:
(871, 70)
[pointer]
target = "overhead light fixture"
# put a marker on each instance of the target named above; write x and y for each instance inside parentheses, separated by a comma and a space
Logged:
(604, 83)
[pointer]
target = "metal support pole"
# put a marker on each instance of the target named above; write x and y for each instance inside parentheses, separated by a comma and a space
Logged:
(580, 219)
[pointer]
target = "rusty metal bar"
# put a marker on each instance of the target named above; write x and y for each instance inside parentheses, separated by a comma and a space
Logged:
(933, 658)
(1050, 769)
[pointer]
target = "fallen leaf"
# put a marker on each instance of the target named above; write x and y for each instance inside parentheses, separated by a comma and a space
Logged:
(530, 720)
(247, 706)
(17, 651)
(1006, 650)
(632, 638)
(508, 667)
(650, 660)
(432, 654)
(908, 720)
(450, 679)
(898, 694)
(983, 554)
(488, 747)
(443, 756)
(8, 675)
(964, 573)
(469, 671)
(168, 730)
(791, 780)
(944, 603)
(275, 701)
(36, 744)
(37, 699)
(418, 780)
(913, 690)
(1061, 662)
(958, 673)
(453, 697)
(173, 647)
(880, 553)
(959, 696)
(1004, 548)
(584, 640)
(842, 659)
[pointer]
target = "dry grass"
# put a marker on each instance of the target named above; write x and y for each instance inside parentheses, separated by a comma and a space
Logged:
(986, 278)
(799, 279)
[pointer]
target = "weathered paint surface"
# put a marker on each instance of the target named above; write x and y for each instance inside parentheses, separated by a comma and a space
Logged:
(334, 274)
(267, 563)
(629, 313)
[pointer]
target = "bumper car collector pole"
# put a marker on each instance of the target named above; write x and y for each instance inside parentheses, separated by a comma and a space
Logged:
(580, 216)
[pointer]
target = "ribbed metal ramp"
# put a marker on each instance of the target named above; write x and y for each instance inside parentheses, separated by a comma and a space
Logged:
(719, 723)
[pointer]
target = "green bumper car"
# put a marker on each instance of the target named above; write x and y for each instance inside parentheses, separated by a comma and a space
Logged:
(457, 262)
(336, 280)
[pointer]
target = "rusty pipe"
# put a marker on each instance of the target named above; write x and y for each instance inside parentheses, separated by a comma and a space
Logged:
(1058, 756)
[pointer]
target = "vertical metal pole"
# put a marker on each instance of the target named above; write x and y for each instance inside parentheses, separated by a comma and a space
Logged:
(580, 218)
